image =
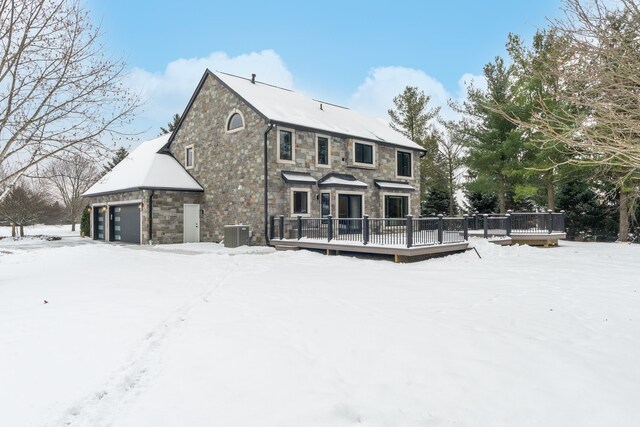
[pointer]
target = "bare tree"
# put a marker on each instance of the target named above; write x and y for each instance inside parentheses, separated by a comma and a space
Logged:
(71, 177)
(58, 89)
(593, 118)
(451, 146)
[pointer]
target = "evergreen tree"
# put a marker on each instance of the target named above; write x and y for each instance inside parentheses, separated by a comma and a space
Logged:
(171, 126)
(118, 156)
(480, 202)
(85, 221)
(412, 117)
(435, 203)
(494, 144)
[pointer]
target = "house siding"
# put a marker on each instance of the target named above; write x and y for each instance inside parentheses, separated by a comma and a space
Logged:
(230, 165)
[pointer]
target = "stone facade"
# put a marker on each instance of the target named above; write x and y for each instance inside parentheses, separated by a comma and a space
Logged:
(167, 212)
(229, 165)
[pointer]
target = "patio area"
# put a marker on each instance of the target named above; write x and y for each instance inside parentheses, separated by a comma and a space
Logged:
(410, 239)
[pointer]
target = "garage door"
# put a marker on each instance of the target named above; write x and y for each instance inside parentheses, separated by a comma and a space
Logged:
(98, 222)
(124, 224)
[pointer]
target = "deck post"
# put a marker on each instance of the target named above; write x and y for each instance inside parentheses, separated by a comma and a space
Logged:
(409, 230)
(281, 227)
(299, 227)
(440, 228)
(550, 213)
(475, 221)
(365, 229)
(564, 225)
(329, 228)
(508, 224)
(486, 226)
(465, 227)
(272, 224)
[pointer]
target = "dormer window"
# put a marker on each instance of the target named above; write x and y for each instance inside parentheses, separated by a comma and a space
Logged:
(235, 121)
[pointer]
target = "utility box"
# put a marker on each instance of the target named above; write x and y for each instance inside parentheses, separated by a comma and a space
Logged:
(236, 235)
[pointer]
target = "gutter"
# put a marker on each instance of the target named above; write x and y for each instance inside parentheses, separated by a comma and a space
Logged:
(266, 186)
(151, 217)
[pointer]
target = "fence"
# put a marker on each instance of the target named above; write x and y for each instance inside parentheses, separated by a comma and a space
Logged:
(414, 232)
(409, 231)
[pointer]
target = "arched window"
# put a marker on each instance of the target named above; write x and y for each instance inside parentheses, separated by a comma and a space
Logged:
(235, 122)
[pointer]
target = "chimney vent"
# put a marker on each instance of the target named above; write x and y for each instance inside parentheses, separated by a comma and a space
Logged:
(253, 78)
(321, 107)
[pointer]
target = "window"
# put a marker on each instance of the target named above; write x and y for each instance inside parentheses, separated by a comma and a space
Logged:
(235, 122)
(188, 157)
(403, 162)
(285, 145)
(300, 202)
(323, 151)
(363, 153)
(325, 204)
(396, 206)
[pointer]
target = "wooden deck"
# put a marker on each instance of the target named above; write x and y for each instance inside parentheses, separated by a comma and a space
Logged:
(399, 253)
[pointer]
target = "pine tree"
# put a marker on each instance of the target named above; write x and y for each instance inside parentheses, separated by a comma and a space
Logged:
(85, 221)
(494, 143)
(412, 117)
(118, 156)
(171, 126)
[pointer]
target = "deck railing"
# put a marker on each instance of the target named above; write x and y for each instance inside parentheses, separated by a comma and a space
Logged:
(414, 232)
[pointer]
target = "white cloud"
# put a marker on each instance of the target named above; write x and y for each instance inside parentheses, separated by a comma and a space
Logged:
(166, 93)
(375, 95)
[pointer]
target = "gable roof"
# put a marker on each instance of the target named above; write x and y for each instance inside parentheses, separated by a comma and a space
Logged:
(286, 107)
(146, 168)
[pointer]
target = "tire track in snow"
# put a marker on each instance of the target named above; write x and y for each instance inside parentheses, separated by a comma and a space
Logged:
(96, 409)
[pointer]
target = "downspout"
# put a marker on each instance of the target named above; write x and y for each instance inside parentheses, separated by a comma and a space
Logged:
(151, 217)
(266, 186)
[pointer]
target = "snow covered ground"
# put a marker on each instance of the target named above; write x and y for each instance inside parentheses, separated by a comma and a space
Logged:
(189, 335)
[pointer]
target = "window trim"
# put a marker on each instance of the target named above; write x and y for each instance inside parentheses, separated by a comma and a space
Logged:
(329, 194)
(383, 204)
(320, 165)
(186, 157)
(360, 193)
(226, 123)
(291, 199)
(374, 153)
(399, 150)
(293, 146)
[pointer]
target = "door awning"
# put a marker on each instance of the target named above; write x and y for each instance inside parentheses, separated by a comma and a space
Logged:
(340, 180)
(298, 177)
(392, 185)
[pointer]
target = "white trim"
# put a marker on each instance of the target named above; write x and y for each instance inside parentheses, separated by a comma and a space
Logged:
(293, 146)
(193, 157)
(374, 153)
(226, 123)
(338, 193)
(300, 190)
(320, 165)
(385, 194)
(411, 168)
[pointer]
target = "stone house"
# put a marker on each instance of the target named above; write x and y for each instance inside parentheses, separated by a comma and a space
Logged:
(246, 150)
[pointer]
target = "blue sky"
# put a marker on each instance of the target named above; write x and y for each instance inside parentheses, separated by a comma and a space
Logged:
(356, 53)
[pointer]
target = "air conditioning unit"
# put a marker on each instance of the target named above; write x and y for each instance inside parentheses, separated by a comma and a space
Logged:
(236, 235)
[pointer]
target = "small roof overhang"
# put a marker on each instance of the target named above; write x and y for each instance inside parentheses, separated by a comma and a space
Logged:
(298, 178)
(392, 185)
(340, 180)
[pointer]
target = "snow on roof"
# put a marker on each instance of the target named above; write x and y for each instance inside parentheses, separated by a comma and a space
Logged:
(298, 177)
(335, 179)
(289, 107)
(144, 167)
(390, 185)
